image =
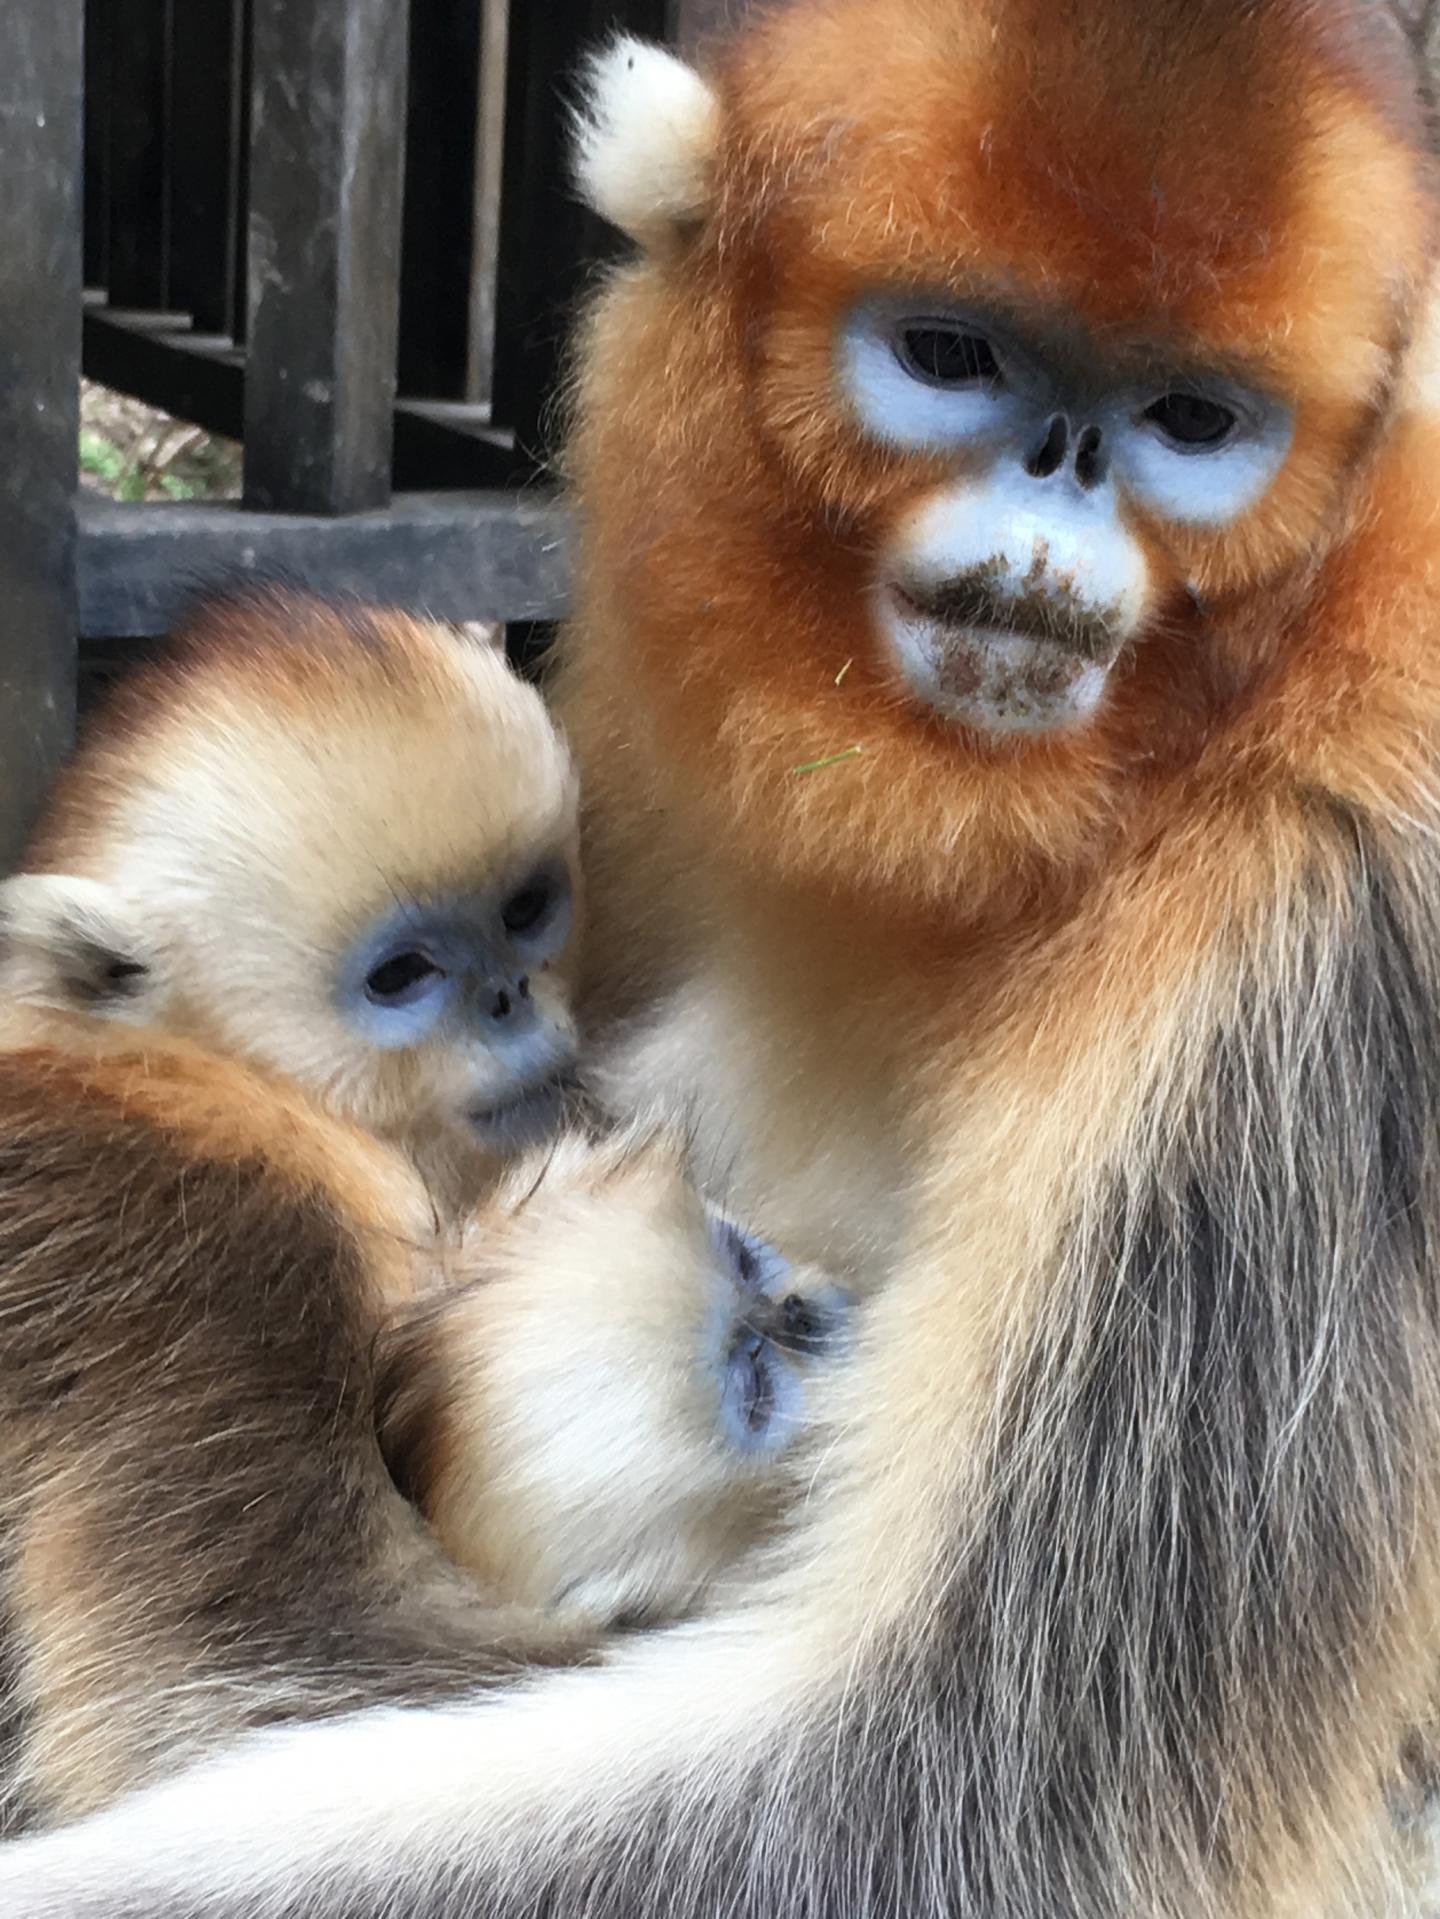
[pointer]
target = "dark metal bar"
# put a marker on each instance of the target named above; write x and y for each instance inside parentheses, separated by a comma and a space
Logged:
(461, 556)
(97, 142)
(139, 174)
(204, 154)
(240, 187)
(41, 83)
(148, 355)
(326, 172)
(549, 242)
(202, 378)
(438, 229)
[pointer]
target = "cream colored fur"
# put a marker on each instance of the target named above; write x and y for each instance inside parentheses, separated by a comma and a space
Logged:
(646, 141)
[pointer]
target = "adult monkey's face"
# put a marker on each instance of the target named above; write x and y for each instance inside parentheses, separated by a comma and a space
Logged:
(991, 357)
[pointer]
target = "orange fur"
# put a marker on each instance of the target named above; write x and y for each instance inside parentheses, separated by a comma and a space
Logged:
(920, 179)
(962, 976)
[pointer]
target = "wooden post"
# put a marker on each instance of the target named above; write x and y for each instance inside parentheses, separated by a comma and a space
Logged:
(326, 173)
(41, 76)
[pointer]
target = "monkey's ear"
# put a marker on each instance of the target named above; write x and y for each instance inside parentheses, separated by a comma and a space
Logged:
(70, 942)
(646, 141)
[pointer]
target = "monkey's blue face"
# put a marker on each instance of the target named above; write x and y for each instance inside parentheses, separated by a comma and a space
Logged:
(466, 977)
(1009, 592)
(778, 1322)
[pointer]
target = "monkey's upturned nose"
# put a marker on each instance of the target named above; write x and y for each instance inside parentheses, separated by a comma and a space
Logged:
(506, 1001)
(1050, 455)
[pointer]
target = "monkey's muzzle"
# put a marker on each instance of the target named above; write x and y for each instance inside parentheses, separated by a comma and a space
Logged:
(1031, 662)
(528, 1115)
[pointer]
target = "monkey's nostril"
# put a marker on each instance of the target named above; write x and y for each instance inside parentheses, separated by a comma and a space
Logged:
(501, 1007)
(524, 986)
(1089, 460)
(1046, 458)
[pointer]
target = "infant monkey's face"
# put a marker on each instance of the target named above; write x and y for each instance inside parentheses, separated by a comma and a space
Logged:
(599, 1415)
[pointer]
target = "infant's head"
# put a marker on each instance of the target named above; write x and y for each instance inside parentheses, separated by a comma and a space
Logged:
(599, 1415)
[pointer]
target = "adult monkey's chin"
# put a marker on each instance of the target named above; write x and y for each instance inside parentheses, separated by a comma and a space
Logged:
(994, 679)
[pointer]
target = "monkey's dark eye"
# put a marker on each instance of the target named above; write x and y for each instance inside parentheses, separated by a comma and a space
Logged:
(401, 979)
(943, 355)
(1189, 420)
(744, 1255)
(527, 907)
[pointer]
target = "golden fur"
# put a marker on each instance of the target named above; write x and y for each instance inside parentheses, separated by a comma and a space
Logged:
(283, 773)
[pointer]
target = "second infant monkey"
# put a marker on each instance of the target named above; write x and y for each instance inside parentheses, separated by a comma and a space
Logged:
(592, 1418)
(338, 842)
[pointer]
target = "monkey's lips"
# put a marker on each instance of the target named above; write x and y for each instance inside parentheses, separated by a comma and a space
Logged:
(996, 678)
(526, 1117)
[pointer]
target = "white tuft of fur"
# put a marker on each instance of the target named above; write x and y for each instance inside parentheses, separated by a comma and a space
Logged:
(646, 141)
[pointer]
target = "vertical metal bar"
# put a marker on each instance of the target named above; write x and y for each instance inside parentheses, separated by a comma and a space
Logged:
(139, 173)
(204, 152)
(548, 240)
(489, 163)
(239, 222)
(438, 228)
(41, 82)
(97, 141)
(326, 177)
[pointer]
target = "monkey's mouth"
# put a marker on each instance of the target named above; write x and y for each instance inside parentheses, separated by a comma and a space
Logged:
(526, 1117)
(770, 1340)
(1000, 667)
(759, 1392)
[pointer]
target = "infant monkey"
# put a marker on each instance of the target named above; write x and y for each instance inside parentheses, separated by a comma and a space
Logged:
(337, 842)
(593, 1418)
(589, 1388)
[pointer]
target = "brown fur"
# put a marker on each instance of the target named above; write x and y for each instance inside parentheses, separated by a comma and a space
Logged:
(196, 1525)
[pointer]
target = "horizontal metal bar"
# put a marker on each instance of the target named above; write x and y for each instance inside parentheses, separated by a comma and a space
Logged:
(196, 376)
(459, 556)
(201, 377)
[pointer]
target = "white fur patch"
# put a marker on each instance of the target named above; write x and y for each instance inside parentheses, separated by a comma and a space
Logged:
(353, 1813)
(646, 141)
(56, 929)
